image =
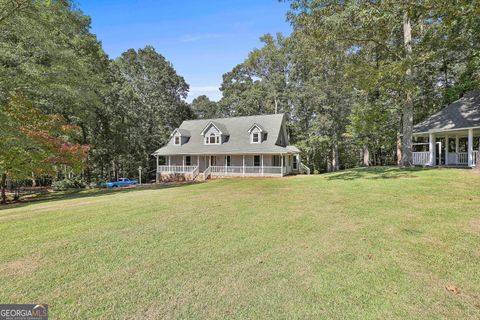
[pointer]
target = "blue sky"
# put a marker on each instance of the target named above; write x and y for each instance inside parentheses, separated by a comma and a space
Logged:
(203, 39)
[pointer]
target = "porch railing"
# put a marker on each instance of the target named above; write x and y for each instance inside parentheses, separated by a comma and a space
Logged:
(421, 158)
(304, 168)
(460, 158)
(247, 170)
(195, 172)
(207, 173)
(177, 169)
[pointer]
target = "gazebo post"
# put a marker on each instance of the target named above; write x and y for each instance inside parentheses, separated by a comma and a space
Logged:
(470, 147)
(446, 149)
(456, 148)
(431, 148)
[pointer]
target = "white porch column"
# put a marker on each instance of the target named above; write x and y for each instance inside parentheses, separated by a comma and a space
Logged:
(431, 148)
(457, 142)
(243, 164)
(198, 162)
(225, 159)
(262, 164)
(281, 164)
(157, 171)
(470, 147)
(446, 149)
(183, 163)
(169, 162)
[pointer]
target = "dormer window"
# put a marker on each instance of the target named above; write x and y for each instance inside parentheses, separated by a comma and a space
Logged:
(214, 132)
(257, 133)
(180, 136)
(212, 138)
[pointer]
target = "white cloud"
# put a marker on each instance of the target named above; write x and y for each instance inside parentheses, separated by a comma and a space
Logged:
(201, 36)
(213, 92)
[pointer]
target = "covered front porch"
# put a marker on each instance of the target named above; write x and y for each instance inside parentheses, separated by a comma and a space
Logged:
(454, 148)
(228, 165)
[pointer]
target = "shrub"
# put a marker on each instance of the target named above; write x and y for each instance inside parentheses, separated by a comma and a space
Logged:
(65, 184)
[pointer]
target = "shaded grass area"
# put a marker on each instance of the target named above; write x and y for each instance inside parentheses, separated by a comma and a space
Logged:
(366, 243)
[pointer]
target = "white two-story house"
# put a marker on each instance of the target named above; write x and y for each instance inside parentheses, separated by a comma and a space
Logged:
(237, 146)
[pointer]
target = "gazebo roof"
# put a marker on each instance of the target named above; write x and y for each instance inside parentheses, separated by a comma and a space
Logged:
(461, 114)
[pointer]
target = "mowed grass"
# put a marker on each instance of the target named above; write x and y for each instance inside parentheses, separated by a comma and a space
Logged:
(380, 243)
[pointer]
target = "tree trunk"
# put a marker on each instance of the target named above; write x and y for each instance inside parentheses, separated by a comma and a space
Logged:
(408, 106)
(34, 181)
(399, 149)
(336, 165)
(332, 163)
(365, 156)
(3, 181)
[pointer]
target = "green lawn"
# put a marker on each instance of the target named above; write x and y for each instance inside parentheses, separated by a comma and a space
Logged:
(369, 244)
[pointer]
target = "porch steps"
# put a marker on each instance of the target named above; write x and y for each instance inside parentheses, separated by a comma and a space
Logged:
(201, 177)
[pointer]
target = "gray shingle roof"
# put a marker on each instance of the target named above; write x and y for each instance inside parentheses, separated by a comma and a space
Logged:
(463, 113)
(239, 138)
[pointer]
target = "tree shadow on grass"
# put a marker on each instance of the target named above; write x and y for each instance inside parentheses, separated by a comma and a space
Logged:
(89, 193)
(375, 173)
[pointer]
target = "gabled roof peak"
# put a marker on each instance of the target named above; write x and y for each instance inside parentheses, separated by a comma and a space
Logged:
(182, 132)
(219, 126)
(255, 125)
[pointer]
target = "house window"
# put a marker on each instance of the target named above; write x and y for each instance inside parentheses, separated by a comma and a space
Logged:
(213, 160)
(294, 162)
(276, 161)
(228, 161)
(212, 139)
(177, 140)
(256, 161)
(256, 137)
(188, 160)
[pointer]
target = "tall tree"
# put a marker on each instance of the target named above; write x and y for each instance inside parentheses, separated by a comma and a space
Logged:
(402, 52)
(144, 108)
(204, 108)
(259, 84)
(35, 143)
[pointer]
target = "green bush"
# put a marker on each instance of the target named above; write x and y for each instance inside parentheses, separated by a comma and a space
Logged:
(65, 184)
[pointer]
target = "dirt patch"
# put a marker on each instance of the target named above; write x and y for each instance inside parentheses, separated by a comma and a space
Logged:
(473, 226)
(22, 266)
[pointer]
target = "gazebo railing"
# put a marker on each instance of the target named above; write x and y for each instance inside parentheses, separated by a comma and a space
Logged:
(460, 158)
(421, 158)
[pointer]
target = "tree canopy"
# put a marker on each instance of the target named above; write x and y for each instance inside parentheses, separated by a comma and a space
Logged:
(353, 78)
